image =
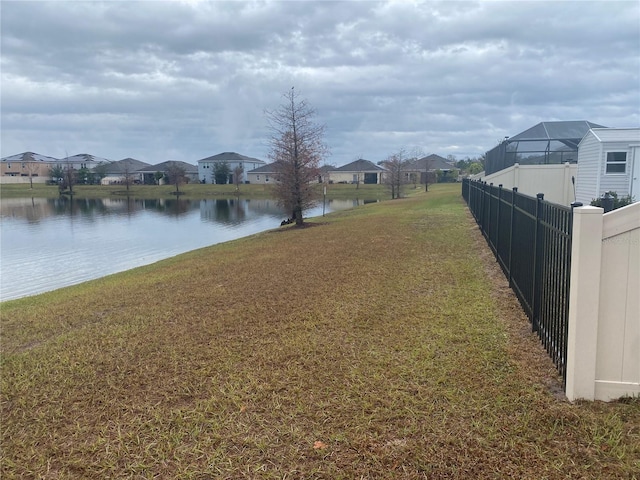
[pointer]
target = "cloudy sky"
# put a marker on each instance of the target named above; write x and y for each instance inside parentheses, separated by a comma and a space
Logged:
(184, 80)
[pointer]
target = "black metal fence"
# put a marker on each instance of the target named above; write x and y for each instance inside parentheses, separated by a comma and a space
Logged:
(531, 239)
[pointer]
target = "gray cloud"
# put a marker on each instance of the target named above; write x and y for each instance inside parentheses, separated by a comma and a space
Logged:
(185, 80)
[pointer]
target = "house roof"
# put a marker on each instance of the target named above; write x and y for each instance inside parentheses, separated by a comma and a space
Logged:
(230, 157)
(164, 166)
(268, 168)
(433, 162)
(631, 134)
(29, 157)
(359, 165)
(125, 165)
(84, 157)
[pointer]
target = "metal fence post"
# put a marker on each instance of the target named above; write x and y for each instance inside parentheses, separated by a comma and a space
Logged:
(498, 221)
(511, 226)
(537, 255)
(488, 229)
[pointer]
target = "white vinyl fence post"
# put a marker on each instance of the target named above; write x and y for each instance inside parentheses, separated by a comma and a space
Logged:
(584, 302)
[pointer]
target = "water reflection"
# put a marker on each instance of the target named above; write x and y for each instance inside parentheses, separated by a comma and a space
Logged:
(51, 243)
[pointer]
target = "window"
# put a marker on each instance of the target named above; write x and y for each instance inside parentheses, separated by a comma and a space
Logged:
(616, 162)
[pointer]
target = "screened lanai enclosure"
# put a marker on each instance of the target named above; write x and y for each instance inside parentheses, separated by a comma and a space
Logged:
(544, 143)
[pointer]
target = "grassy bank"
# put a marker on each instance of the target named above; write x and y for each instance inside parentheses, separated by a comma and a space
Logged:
(334, 191)
(379, 343)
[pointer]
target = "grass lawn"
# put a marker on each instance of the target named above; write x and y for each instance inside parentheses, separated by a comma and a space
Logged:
(379, 343)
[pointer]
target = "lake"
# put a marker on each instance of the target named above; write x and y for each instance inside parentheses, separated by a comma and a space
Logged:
(46, 244)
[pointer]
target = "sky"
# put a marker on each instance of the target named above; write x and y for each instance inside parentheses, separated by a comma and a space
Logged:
(184, 80)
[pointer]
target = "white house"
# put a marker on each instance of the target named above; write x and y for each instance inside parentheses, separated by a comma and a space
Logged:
(206, 166)
(608, 161)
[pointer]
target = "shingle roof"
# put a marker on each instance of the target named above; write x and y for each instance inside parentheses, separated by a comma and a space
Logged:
(268, 168)
(125, 165)
(84, 157)
(164, 166)
(617, 134)
(435, 162)
(359, 165)
(29, 157)
(230, 157)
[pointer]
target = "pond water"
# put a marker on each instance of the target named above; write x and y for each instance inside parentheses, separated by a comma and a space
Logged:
(51, 243)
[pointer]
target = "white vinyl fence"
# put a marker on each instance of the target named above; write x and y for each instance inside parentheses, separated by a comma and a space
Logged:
(552, 180)
(603, 349)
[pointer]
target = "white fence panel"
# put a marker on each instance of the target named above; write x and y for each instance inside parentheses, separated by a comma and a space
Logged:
(552, 180)
(603, 360)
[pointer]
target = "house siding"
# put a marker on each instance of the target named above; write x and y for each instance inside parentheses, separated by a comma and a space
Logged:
(617, 182)
(592, 179)
(588, 168)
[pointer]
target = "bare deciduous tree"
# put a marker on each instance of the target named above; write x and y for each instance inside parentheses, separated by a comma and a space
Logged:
(237, 176)
(69, 178)
(126, 171)
(177, 175)
(395, 176)
(32, 169)
(296, 148)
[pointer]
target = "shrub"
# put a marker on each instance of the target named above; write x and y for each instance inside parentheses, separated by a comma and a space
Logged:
(618, 202)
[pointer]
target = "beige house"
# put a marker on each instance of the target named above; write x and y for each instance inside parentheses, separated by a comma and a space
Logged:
(123, 170)
(18, 168)
(264, 175)
(359, 171)
(416, 170)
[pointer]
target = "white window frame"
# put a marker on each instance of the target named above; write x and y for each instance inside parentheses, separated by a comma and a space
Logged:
(607, 162)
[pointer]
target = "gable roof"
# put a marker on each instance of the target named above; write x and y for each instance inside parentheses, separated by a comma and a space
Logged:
(126, 165)
(84, 157)
(359, 165)
(164, 166)
(433, 162)
(29, 157)
(268, 168)
(230, 157)
(630, 134)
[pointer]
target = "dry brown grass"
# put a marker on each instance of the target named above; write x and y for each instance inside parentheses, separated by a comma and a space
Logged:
(382, 343)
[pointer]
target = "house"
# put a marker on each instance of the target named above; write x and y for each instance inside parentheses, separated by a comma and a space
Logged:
(543, 144)
(25, 165)
(118, 172)
(82, 160)
(325, 173)
(206, 166)
(358, 171)
(542, 159)
(608, 160)
(149, 173)
(417, 169)
(263, 175)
